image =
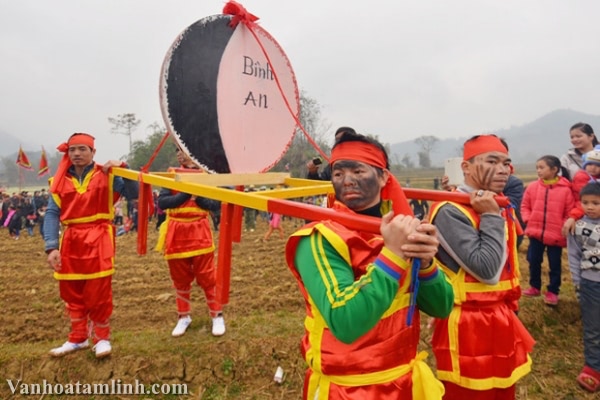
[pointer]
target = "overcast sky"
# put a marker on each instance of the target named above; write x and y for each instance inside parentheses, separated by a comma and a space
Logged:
(398, 69)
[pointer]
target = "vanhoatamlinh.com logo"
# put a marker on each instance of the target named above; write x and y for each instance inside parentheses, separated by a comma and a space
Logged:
(112, 387)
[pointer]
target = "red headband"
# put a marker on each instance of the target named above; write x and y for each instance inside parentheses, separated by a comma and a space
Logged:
(82, 138)
(374, 156)
(76, 139)
(358, 151)
(483, 144)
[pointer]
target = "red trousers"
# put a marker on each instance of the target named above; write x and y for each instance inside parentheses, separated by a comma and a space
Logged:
(455, 392)
(88, 300)
(183, 272)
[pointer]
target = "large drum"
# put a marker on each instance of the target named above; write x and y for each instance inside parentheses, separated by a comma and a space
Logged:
(229, 96)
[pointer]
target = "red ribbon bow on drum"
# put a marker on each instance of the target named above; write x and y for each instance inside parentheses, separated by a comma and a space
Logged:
(240, 14)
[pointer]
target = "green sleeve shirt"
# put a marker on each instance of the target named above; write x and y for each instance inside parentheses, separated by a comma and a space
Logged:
(352, 307)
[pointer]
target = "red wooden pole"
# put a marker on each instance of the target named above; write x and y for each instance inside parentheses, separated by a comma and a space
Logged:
(238, 215)
(142, 222)
(224, 252)
(442, 195)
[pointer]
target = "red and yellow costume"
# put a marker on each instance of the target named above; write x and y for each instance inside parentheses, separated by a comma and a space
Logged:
(186, 240)
(482, 346)
(383, 362)
(87, 251)
(358, 342)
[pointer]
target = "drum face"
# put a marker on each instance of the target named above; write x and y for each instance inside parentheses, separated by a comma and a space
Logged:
(221, 100)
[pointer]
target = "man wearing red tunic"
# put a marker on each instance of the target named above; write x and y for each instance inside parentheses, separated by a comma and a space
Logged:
(187, 242)
(482, 349)
(360, 289)
(82, 197)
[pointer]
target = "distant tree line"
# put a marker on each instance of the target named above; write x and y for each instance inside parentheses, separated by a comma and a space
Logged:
(293, 161)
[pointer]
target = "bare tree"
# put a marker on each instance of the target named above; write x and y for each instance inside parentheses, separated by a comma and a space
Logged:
(427, 143)
(143, 150)
(424, 159)
(300, 150)
(124, 124)
(312, 120)
(407, 161)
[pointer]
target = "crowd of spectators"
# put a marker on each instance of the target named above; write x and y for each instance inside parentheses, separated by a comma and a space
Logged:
(23, 211)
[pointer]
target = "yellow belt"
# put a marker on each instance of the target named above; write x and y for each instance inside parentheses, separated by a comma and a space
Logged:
(425, 385)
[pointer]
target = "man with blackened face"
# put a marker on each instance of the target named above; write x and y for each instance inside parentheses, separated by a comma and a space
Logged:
(359, 287)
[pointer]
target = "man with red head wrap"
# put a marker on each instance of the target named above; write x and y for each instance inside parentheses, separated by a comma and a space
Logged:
(361, 340)
(187, 244)
(82, 197)
(481, 349)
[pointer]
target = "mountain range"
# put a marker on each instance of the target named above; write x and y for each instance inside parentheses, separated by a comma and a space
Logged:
(548, 134)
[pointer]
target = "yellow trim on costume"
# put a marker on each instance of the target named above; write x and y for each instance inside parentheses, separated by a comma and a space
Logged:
(303, 232)
(162, 235)
(430, 268)
(488, 383)
(514, 262)
(91, 218)
(375, 378)
(56, 198)
(328, 277)
(425, 385)
(78, 277)
(478, 287)
(82, 187)
(402, 299)
(162, 231)
(399, 261)
(461, 290)
(336, 241)
(337, 297)
(453, 320)
(315, 327)
(186, 210)
(111, 182)
(188, 254)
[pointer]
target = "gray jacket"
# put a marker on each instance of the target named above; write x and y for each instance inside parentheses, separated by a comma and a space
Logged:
(481, 252)
(584, 251)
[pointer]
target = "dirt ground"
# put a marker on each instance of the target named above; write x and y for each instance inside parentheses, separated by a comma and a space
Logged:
(264, 325)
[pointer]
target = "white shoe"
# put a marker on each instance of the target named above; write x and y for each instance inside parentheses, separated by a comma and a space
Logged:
(102, 349)
(218, 326)
(182, 324)
(69, 347)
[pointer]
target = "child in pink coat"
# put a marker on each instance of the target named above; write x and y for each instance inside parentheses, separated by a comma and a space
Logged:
(546, 205)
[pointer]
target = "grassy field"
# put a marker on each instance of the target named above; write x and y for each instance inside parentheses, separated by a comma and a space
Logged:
(423, 178)
(264, 326)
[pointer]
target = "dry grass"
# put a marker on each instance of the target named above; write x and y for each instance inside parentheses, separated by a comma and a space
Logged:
(264, 322)
(558, 354)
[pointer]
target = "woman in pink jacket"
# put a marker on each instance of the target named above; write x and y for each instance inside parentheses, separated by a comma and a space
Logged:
(545, 207)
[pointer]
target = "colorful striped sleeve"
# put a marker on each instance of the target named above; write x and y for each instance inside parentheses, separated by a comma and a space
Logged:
(391, 264)
(428, 273)
(350, 306)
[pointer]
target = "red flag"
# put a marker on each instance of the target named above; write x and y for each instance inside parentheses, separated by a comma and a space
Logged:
(23, 161)
(43, 170)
